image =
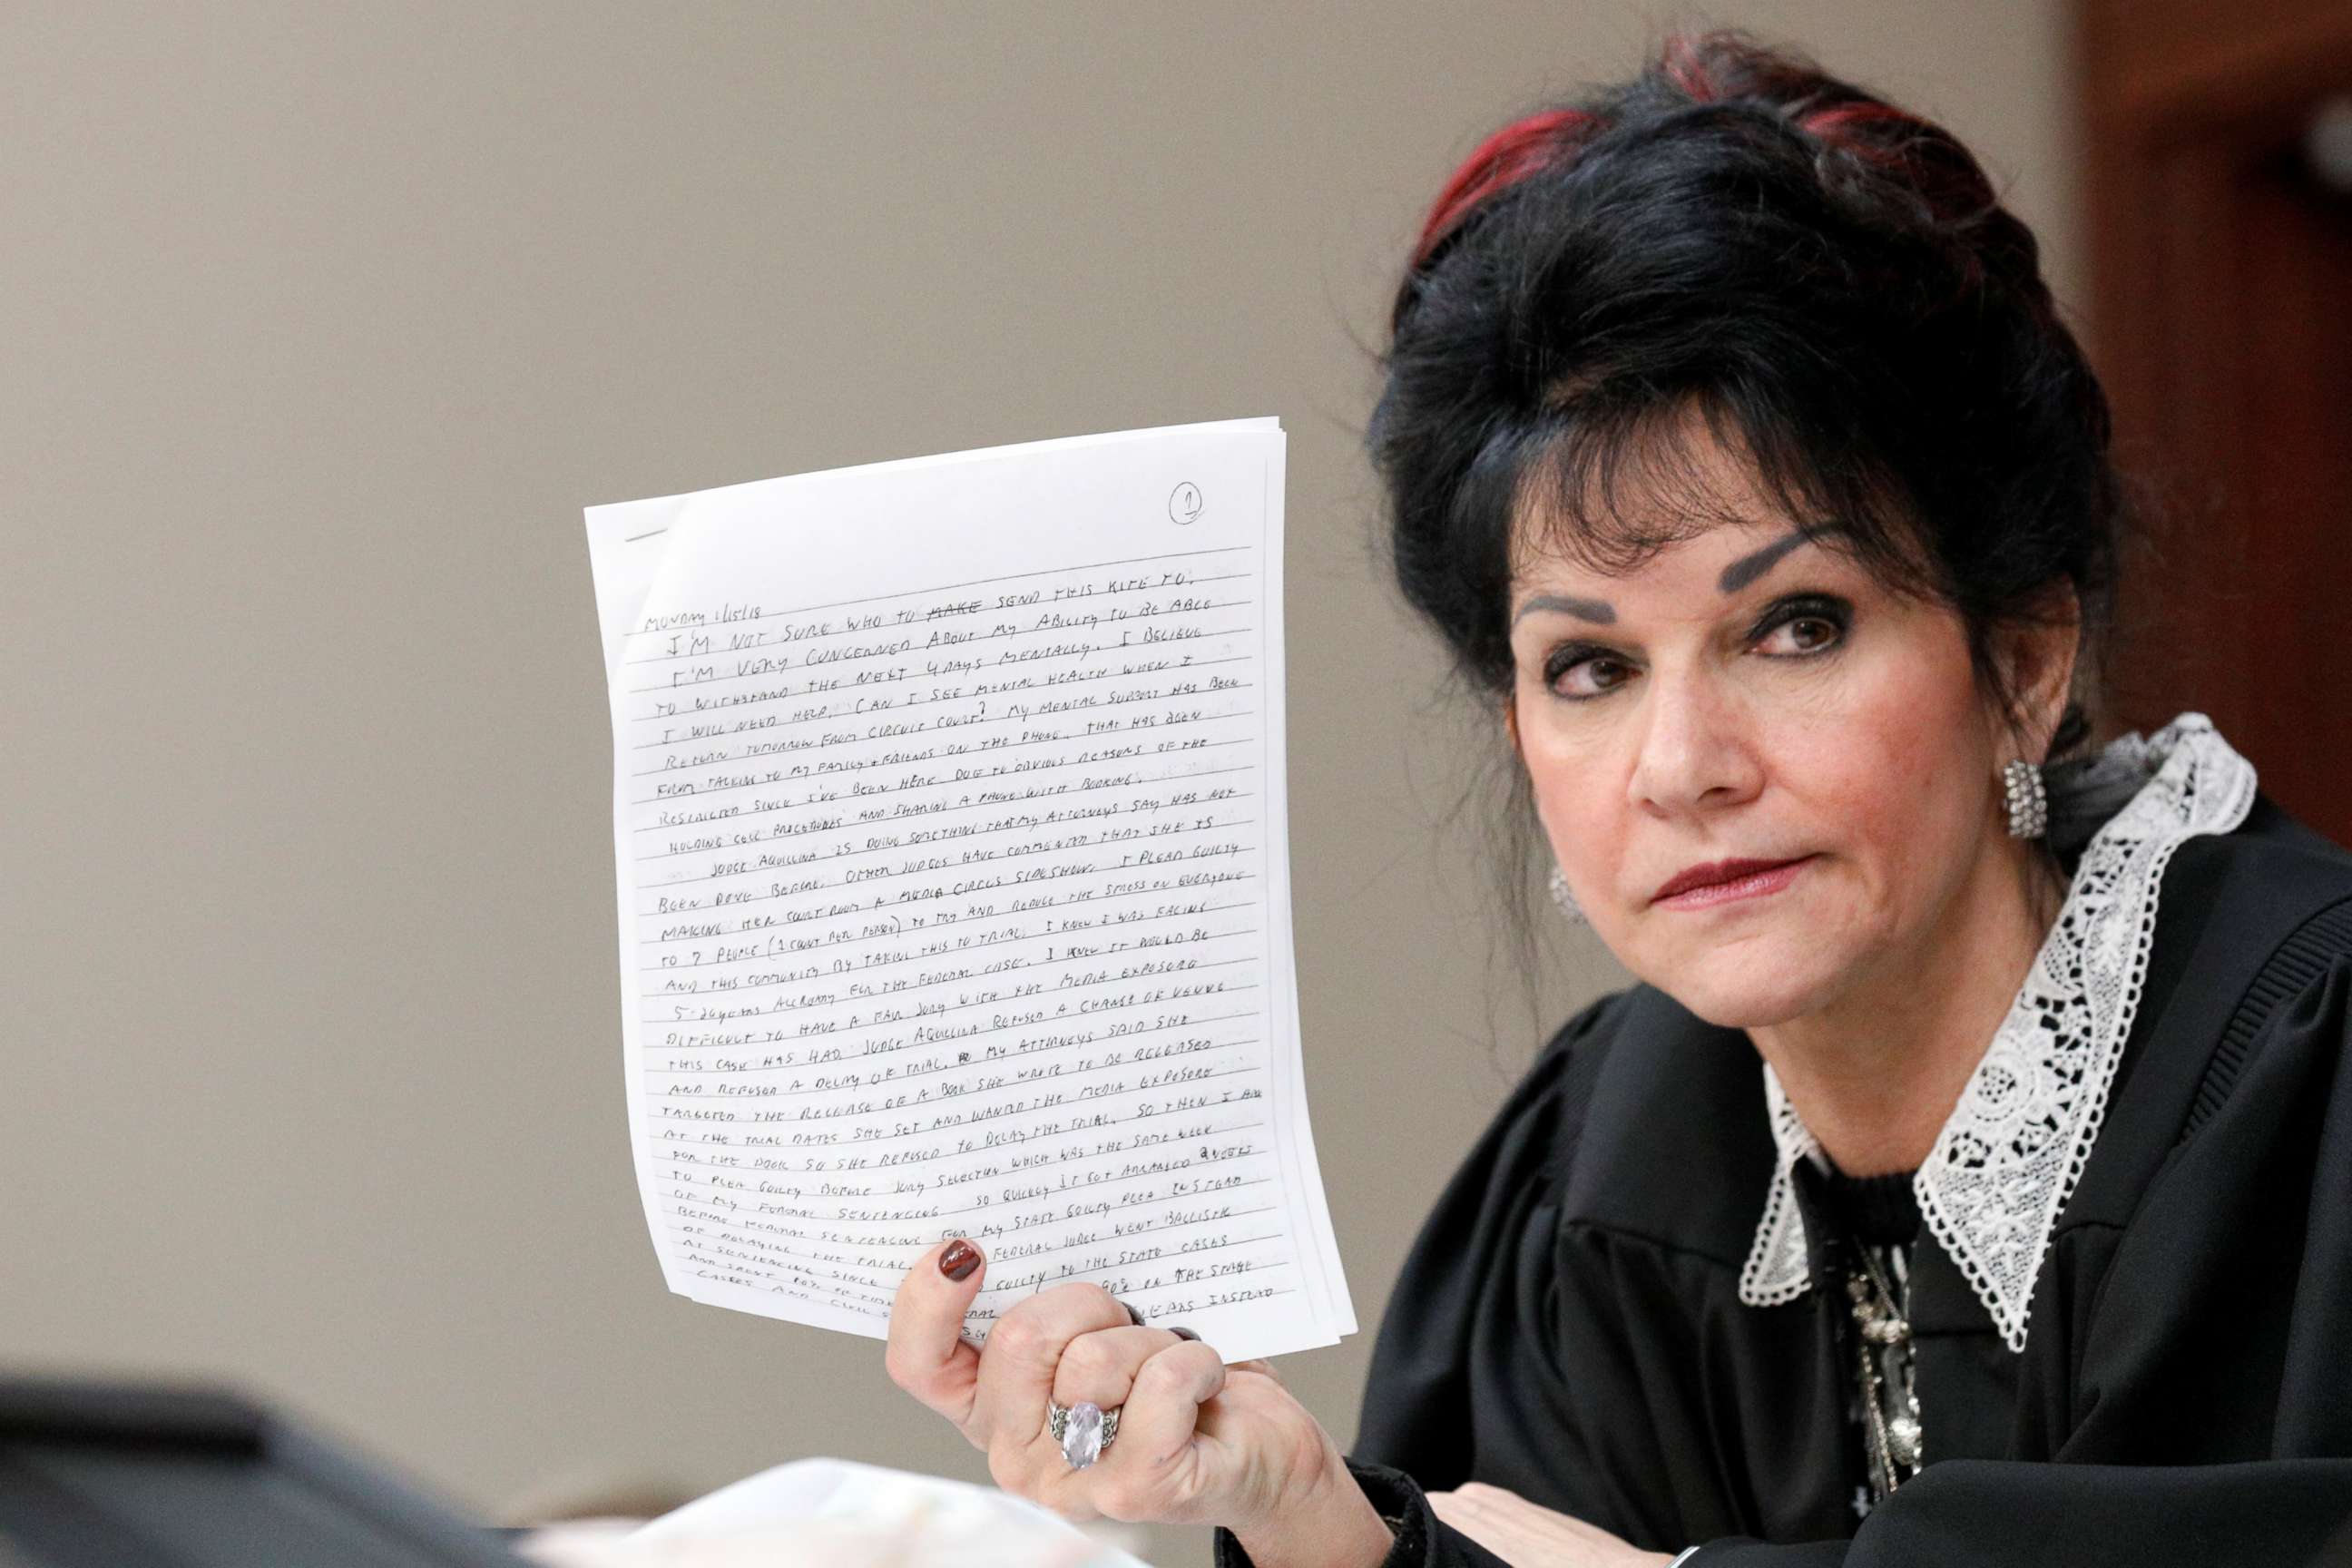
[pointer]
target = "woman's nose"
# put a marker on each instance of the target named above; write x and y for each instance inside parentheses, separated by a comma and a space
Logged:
(1695, 751)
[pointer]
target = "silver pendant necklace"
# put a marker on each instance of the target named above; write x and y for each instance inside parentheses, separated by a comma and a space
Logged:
(1890, 1402)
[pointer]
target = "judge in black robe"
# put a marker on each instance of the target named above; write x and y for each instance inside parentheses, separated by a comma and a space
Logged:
(1571, 1325)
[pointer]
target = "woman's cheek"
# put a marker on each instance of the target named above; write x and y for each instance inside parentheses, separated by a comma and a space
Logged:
(1573, 802)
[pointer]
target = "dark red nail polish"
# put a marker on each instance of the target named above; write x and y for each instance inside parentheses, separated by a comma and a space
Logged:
(1132, 1311)
(1182, 1333)
(959, 1259)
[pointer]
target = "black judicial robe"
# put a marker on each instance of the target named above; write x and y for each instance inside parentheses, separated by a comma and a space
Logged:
(1568, 1324)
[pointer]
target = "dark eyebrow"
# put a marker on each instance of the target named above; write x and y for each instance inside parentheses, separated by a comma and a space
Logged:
(1594, 610)
(1747, 568)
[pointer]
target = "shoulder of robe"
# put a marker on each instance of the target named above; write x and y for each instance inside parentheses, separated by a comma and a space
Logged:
(1540, 1124)
(2206, 1294)
(2276, 965)
(2229, 902)
(2231, 905)
(1480, 1258)
(1528, 1145)
(1522, 1157)
(2249, 922)
(2269, 855)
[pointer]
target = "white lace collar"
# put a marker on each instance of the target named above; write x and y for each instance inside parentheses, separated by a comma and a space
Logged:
(2008, 1157)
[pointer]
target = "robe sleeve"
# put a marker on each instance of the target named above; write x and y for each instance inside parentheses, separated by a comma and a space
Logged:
(1423, 1541)
(1480, 1269)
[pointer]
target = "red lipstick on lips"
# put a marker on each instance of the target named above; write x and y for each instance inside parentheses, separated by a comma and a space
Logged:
(1719, 881)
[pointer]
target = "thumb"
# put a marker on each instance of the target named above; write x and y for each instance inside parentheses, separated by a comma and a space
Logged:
(928, 1353)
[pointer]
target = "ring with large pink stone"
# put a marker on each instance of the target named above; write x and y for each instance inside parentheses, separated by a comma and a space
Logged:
(1084, 1430)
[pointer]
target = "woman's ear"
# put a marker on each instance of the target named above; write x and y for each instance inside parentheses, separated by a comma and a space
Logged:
(1511, 723)
(2037, 659)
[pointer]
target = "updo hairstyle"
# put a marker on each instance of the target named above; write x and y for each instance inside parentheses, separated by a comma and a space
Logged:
(1829, 280)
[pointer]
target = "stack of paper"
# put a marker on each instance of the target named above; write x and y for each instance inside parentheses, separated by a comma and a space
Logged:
(949, 815)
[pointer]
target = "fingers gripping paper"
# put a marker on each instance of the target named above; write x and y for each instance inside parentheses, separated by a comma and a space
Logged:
(949, 817)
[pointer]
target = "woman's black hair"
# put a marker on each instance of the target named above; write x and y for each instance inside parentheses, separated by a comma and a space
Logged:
(1829, 281)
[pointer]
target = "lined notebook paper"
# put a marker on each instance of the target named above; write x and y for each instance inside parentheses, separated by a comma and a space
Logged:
(952, 873)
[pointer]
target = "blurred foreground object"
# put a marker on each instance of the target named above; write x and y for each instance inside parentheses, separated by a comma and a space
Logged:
(834, 1513)
(141, 1477)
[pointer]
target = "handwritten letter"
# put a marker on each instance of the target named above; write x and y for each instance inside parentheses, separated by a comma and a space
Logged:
(950, 825)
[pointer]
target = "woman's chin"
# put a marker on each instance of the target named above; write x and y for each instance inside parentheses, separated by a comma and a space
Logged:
(1760, 985)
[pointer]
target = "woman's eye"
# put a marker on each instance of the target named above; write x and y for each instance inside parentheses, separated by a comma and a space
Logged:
(1804, 632)
(1571, 673)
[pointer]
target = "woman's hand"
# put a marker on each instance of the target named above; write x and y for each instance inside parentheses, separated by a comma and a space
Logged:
(1529, 1535)
(1199, 1442)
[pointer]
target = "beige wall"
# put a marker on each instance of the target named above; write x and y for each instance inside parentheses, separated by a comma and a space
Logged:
(323, 324)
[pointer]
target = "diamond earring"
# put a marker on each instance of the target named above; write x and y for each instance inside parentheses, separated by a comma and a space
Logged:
(2027, 800)
(1566, 900)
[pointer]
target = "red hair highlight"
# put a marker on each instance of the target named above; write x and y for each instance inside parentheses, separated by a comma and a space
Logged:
(1836, 124)
(1679, 59)
(1504, 159)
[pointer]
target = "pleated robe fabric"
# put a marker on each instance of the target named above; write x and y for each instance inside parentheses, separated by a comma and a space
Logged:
(1568, 1324)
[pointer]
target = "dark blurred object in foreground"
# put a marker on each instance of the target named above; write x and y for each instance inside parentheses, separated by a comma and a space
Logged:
(136, 1477)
